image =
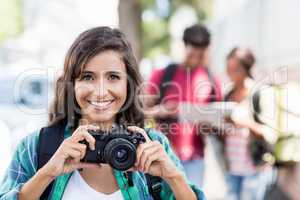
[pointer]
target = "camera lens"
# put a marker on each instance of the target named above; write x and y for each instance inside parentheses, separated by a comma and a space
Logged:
(120, 154)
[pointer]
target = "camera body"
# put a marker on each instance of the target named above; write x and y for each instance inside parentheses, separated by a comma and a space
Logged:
(117, 147)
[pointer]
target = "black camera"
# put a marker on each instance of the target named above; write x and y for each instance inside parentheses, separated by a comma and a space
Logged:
(117, 147)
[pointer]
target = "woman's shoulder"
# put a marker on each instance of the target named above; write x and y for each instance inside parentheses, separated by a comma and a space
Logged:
(29, 141)
(157, 135)
(25, 154)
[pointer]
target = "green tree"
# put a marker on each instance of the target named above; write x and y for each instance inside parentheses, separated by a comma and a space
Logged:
(146, 22)
(130, 23)
(10, 19)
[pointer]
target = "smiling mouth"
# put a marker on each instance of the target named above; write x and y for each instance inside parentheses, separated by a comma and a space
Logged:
(101, 105)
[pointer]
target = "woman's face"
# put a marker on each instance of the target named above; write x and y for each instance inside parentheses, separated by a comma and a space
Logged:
(235, 71)
(101, 89)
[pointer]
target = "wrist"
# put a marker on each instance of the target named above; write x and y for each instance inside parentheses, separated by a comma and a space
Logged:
(174, 178)
(35, 186)
(180, 187)
(46, 174)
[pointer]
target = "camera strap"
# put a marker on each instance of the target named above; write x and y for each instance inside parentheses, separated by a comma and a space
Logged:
(154, 186)
(154, 183)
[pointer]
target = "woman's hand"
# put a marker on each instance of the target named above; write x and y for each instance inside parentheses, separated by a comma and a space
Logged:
(67, 157)
(238, 123)
(152, 158)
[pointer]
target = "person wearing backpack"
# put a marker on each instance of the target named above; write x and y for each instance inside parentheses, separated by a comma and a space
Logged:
(245, 172)
(276, 109)
(187, 82)
(96, 92)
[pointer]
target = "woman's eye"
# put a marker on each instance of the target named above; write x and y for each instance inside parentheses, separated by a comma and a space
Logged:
(114, 77)
(87, 77)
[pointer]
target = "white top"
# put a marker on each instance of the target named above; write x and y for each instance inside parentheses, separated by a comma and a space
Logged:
(77, 188)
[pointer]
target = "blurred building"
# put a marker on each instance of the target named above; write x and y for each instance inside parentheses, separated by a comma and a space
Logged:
(50, 27)
(268, 27)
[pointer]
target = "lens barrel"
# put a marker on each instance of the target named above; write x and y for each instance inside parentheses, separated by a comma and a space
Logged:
(120, 154)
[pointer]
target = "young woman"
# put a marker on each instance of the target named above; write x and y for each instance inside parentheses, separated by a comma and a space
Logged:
(245, 179)
(97, 89)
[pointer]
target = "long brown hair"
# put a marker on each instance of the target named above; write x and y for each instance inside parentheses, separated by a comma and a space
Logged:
(86, 46)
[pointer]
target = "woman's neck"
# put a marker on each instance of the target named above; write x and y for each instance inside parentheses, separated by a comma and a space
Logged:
(101, 179)
(239, 85)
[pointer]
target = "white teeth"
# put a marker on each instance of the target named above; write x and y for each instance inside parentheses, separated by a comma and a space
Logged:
(101, 103)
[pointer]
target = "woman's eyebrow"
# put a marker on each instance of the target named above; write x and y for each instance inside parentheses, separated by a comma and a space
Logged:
(87, 72)
(105, 72)
(114, 72)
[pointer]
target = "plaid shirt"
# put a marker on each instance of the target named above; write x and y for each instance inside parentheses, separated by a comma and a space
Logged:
(24, 165)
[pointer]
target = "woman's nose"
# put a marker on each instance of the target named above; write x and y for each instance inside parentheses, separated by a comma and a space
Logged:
(101, 89)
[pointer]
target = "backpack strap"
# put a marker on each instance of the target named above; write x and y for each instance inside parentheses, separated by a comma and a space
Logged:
(256, 106)
(154, 183)
(166, 78)
(169, 74)
(228, 95)
(213, 84)
(46, 149)
(154, 186)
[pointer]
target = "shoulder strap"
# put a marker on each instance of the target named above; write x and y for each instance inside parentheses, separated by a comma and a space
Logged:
(213, 93)
(256, 106)
(228, 95)
(46, 149)
(280, 113)
(166, 78)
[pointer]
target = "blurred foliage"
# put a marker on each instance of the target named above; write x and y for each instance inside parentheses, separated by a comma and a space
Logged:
(202, 7)
(10, 19)
(155, 37)
(155, 22)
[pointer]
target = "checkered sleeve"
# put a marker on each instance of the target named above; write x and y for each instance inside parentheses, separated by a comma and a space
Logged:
(22, 167)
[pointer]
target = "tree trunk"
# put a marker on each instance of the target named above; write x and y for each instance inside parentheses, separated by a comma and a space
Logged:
(130, 23)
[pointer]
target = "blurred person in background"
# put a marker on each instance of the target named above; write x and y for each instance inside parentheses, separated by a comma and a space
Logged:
(277, 110)
(187, 82)
(245, 173)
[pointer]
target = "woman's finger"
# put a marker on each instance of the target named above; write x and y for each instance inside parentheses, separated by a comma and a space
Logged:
(145, 156)
(79, 147)
(136, 129)
(150, 159)
(82, 134)
(140, 150)
(73, 154)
